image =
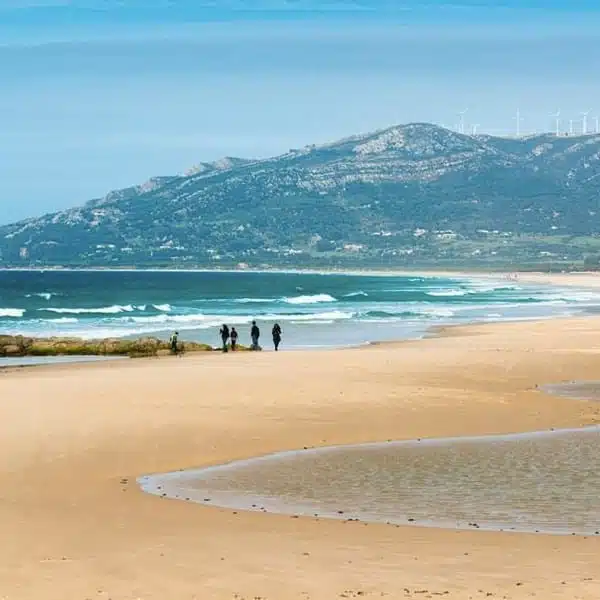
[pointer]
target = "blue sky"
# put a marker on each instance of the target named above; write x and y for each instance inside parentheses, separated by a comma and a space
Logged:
(98, 95)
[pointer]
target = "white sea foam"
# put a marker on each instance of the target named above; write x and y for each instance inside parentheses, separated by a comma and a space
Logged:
(251, 300)
(448, 293)
(491, 286)
(570, 295)
(103, 310)
(61, 321)
(437, 311)
(15, 313)
(316, 322)
(314, 299)
(44, 295)
(203, 321)
(334, 315)
(355, 294)
(200, 320)
(163, 307)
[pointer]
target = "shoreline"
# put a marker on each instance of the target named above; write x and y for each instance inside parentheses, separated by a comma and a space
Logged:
(585, 282)
(71, 460)
(583, 277)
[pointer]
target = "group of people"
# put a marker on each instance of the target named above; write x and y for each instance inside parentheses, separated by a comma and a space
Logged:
(231, 336)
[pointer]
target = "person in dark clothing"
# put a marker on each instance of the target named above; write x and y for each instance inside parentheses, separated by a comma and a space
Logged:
(224, 331)
(233, 336)
(254, 335)
(276, 332)
(173, 342)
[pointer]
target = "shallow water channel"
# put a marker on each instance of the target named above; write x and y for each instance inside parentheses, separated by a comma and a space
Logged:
(537, 482)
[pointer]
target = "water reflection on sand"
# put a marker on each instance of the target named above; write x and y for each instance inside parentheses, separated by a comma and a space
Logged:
(537, 482)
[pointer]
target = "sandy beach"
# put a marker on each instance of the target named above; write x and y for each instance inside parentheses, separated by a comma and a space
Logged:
(74, 438)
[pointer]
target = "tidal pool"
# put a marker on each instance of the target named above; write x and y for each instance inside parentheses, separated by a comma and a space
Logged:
(533, 482)
(30, 361)
(577, 390)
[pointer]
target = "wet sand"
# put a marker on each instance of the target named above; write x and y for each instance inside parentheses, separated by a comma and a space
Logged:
(75, 438)
(578, 390)
(539, 482)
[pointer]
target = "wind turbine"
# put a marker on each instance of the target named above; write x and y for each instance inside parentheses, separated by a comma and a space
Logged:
(597, 119)
(475, 126)
(556, 115)
(462, 114)
(570, 126)
(584, 122)
(519, 119)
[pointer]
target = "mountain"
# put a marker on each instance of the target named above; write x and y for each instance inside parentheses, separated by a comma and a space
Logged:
(411, 194)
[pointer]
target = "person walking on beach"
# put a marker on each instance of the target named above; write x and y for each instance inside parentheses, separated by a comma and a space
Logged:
(173, 342)
(233, 336)
(254, 335)
(276, 332)
(224, 331)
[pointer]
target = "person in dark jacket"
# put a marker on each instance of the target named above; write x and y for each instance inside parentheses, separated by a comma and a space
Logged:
(174, 339)
(276, 332)
(233, 336)
(224, 331)
(254, 335)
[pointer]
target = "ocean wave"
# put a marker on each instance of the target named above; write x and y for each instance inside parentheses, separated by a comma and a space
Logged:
(573, 296)
(316, 322)
(12, 313)
(491, 286)
(200, 320)
(203, 321)
(44, 295)
(103, 310)
(250, 300)
(377, 314)
(333, 315)
(314, 299)
(437, 311)
(61, 321)
(355, 294)
(163, 307)
(449, 293)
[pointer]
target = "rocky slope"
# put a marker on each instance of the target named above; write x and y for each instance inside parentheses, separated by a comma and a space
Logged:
(410, 193)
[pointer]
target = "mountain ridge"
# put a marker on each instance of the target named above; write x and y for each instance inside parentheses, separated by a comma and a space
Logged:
(408, 193)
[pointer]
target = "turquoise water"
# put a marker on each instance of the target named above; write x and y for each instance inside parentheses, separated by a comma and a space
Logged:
(545, 482)
(314, 310)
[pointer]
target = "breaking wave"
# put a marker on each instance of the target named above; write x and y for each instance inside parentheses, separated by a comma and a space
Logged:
(251, 300)
(163, 307)
(12, 313)
(103, 310)
(447, 293)
(314, 299)
(44, 295)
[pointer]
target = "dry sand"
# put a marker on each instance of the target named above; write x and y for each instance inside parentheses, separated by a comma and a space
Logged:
(75, 526)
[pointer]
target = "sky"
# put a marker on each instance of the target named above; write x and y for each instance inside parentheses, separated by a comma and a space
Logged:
(102, 94)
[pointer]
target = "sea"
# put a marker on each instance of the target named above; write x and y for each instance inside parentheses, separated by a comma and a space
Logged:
(315, 310)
